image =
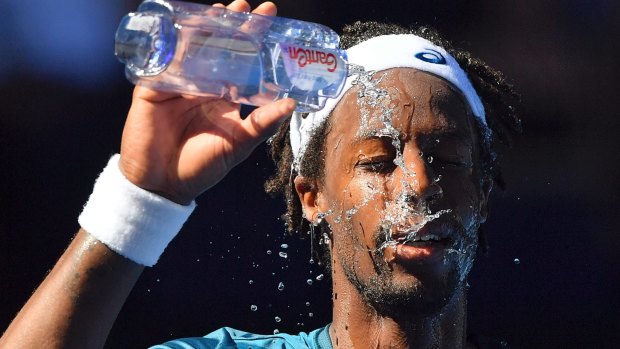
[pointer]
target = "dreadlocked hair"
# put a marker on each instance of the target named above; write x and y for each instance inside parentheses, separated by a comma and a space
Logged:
(500, 100)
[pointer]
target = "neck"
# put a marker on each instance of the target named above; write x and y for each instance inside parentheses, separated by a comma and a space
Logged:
(356, 324)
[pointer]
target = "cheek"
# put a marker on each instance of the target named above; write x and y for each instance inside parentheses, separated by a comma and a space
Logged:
(462, 195)
(359, 208)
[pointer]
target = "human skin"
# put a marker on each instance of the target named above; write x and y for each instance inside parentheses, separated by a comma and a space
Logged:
(432, 120)
(174, 145)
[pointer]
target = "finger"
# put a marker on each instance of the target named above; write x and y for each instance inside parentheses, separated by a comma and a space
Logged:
(239, 6)
(155, 96)
(264, 121)
(145, 93)
(266, 9)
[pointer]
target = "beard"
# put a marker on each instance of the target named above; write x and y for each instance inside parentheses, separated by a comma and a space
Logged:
(421, 292)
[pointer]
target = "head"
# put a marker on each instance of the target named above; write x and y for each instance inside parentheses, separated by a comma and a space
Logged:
(396, 178)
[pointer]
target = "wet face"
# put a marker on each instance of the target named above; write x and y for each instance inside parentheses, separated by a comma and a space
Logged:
(403, 188)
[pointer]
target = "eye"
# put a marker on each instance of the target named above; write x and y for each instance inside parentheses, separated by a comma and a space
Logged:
(448, 161)
(447, 152)
(378, 164)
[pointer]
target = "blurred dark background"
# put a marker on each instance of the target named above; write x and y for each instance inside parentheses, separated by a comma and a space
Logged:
(550, 279)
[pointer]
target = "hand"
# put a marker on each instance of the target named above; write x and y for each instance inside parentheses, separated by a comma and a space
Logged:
(178, 146)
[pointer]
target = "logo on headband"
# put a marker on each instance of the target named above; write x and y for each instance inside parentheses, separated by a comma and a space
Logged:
(431, 56)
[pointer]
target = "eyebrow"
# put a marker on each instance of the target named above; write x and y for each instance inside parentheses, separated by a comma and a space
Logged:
(373, 134)
(449, 134)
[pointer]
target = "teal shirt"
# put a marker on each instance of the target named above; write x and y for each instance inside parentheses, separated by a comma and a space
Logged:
(227, 337)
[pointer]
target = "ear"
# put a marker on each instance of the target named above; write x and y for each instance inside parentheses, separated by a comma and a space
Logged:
(310, 197)
(485, 191)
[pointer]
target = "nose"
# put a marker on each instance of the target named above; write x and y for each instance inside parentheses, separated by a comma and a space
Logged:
(418, 178)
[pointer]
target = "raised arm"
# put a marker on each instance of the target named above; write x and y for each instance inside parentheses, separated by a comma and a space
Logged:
(175, 146)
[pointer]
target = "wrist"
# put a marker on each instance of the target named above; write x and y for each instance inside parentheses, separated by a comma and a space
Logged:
(136, 223)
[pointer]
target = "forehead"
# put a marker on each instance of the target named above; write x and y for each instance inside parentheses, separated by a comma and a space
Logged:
(416, 103)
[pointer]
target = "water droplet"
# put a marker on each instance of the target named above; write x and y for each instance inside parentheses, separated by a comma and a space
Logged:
(251, 282)
(517, 261)
(311, 261)
(276, 331)
(430, 159)
(157, 280)
(277, 318)
(253, 307)
(280, 286)
(284, 245)
(350, 213)
(283, 254)
(310, 314)
(309, 281)
(319, 277)
(268, 251)
(307, 304)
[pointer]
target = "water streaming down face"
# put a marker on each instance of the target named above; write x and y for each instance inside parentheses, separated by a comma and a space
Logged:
(376, 104)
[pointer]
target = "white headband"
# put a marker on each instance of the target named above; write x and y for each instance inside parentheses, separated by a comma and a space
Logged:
(381, 53)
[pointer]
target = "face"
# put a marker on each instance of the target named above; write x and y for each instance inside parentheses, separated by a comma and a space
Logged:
(402, 189)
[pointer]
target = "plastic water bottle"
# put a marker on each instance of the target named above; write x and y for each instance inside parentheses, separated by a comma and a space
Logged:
(247, 58)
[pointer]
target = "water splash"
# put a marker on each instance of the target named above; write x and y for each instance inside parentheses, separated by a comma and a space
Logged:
(412, 230)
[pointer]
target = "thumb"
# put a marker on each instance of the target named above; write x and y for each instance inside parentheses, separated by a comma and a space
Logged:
(264, 121)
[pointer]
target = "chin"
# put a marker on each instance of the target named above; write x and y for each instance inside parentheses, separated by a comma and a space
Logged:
(397, 292)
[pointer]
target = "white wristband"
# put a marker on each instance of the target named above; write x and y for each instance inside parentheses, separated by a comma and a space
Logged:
(131, 221)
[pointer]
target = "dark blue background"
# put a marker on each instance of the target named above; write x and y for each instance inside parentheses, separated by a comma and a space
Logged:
(63, 101)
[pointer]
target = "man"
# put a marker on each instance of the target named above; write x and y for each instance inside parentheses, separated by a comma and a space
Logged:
(393, 178)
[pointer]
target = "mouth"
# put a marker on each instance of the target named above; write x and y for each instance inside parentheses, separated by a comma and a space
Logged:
(424, 241)
(422, 244)
(434, 232)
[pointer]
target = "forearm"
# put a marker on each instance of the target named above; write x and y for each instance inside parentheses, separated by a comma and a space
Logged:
(78, 302)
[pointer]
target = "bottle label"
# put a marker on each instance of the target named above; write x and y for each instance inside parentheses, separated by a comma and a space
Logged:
(311, 68)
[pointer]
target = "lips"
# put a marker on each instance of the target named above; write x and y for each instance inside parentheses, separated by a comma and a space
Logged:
(424, 244)
(432, 232)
